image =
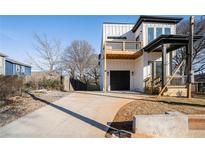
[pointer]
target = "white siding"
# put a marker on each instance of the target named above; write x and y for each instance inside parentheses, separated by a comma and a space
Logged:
(112, 29)
(2, 65)
(139, 32)
(138, 74)
(118, 30)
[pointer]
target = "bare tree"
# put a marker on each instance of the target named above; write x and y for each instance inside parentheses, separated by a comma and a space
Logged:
(48, 54)
(198, 61)
(93, 73)
(80, 59)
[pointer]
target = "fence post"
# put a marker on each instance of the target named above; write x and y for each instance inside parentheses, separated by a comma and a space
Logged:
(123, 45)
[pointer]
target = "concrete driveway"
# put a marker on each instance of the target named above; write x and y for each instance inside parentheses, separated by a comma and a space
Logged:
(80, 114)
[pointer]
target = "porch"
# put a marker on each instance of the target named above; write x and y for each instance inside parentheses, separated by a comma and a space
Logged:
(179, 79)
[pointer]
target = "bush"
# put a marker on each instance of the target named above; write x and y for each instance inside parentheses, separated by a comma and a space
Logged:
(10, 86)
(49, 84)
(92, 87)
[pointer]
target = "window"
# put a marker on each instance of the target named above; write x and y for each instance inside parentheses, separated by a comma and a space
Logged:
(18, 69)
(159, 69)
(117, 37)
(150, 34)
(167, 31)
(22, 70)
(158, 31)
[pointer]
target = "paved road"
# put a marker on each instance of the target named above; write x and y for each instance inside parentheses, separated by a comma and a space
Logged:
(80, 114)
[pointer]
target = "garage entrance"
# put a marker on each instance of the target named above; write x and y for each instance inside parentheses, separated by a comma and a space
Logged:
(120, 80)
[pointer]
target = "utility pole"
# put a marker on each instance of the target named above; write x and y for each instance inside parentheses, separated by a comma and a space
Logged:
(189, 58)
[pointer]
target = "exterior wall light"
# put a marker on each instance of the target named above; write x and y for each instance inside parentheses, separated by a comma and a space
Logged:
(108, 73)
(132, 73)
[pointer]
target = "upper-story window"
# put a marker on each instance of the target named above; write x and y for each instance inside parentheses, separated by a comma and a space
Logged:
(117, 37)
(158, 31)
(167, 31)
(150, 34)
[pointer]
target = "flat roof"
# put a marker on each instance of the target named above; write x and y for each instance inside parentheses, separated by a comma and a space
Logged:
(126, 23)
(17, 62)
(157, 19)
(176, 42)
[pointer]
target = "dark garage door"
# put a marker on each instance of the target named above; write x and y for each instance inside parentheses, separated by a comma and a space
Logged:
(120, 80)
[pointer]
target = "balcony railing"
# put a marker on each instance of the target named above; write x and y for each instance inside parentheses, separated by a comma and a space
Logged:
(123, 45)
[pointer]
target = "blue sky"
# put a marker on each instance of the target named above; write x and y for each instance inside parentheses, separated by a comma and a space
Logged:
(16, 32)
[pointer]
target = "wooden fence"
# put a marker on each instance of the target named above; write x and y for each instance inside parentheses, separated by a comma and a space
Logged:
(10, 86)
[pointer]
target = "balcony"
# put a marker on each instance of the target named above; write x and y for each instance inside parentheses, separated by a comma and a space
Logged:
(123, 49)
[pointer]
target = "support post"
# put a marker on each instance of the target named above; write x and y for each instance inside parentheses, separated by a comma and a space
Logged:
(189, 57)
(164, 64)
(170, 62)
(153, 76)
(123, 46)
(105, 70)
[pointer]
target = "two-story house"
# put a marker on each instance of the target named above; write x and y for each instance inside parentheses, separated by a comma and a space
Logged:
(132, 52)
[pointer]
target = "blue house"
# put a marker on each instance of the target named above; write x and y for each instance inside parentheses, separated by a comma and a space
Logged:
(13, 67)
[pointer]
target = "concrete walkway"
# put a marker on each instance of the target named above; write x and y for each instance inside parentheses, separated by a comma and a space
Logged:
(80, 114)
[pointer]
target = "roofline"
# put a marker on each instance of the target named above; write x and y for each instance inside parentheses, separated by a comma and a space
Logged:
(170, 37)
(3, 55)
(17, 62)
(126, 23)
(158, 19)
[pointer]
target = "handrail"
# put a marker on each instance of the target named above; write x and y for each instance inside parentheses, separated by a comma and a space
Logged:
(166, 84)
(151, 83)
(117, 41)
(178, 76)
(147, 79)
(155, 79)
(124, 43)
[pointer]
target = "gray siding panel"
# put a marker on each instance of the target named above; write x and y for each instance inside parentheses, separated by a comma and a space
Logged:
(9, 68)
(27, 70)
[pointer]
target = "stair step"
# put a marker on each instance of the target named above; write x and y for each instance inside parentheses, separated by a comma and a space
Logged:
(177, 87)
(176, 91)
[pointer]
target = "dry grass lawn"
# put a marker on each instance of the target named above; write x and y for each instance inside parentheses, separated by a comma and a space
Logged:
(152, 105)
(18, 106)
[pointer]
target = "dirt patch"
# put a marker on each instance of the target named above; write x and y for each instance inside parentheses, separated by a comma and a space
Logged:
(18, 106)
(124, 117)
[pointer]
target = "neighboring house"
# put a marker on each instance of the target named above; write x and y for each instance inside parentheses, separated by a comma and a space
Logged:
(132, 52)
(12, 67)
